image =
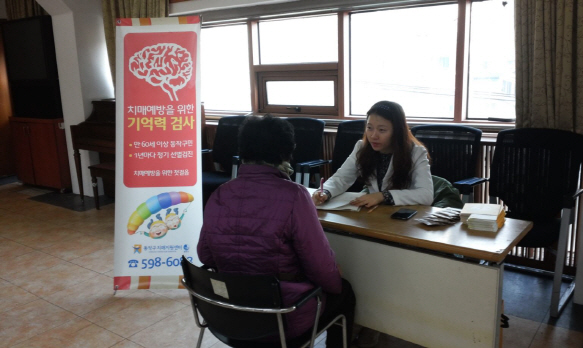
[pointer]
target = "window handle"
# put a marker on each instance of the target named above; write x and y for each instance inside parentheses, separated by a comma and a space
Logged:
(295, 108)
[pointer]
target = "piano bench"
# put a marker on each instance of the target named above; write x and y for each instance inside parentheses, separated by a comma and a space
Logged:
(101, 170)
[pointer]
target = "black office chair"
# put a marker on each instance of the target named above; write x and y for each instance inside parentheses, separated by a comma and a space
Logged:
(535, 172)
(242, 311)
(309, 133)
(225, 147)
(348, 133)
(454, 153)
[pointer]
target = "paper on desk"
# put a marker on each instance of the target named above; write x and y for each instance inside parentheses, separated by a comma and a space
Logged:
(340, 202)
(446, 216)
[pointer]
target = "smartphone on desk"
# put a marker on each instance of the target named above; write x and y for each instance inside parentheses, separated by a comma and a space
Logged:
(403, 214)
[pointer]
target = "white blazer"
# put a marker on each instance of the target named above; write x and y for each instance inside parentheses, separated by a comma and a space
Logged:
(420, 192)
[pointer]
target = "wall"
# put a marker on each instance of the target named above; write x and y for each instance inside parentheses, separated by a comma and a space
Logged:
(83, 66)
(6, 153)
(209, 5)
(225, 10)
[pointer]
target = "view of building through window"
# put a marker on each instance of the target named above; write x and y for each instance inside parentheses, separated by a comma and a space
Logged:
(492, 82)
(299, 40)
(314, 93)
(224, 64)
(406, 56)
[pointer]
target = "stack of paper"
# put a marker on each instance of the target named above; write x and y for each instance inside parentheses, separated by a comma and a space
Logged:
(340, 202)
(445, 216)
(482, 222)
(483, 217)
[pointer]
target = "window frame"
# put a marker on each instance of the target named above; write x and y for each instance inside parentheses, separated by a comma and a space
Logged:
(260, 74)
(296, 72)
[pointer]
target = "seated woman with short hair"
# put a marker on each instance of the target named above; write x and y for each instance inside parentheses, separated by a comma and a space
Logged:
(262, 223)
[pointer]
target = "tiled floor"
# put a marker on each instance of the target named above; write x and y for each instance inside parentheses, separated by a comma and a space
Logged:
(56, 268)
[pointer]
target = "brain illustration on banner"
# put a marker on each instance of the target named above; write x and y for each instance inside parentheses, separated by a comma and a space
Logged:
(158, 227)
(166, 65)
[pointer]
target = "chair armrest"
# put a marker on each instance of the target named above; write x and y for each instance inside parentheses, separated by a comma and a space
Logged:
(465, 186)
(308, 295)
(305, 166)
(236, 161)
(569, 200)
(209, 268)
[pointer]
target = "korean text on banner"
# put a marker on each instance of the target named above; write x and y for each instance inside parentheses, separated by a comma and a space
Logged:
(158, 211)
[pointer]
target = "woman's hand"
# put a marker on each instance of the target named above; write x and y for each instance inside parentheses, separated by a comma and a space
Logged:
(319, 197)
(369, 200)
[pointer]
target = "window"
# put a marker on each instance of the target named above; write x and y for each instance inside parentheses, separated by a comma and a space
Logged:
(224, 65)
(492, 78)
(298, 70)
(310, 89)
(312, 93)
(299, 40)
(339, 63)
(406, 56)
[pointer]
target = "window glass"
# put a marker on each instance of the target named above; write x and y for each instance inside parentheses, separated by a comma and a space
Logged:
(299, 40)
(314, 93)
(492, 80)
(224, 62)
(406, 56)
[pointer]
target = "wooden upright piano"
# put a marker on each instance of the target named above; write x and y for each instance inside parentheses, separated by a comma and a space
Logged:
(96, 133)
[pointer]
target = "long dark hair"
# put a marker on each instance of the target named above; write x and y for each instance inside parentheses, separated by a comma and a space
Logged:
(402, 142)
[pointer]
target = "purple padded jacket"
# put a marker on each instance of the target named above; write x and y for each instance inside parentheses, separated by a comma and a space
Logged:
(261, 223)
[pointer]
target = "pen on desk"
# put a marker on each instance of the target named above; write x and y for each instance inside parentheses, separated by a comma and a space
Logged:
(373, 208)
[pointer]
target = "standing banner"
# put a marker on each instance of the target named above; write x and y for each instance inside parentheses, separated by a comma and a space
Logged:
(158, 210)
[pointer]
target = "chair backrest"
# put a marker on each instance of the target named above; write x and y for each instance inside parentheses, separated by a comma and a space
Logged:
(225, 145)
(309, 133)
(453, 149)
(533, 168)
(349, 132)
(239, 290)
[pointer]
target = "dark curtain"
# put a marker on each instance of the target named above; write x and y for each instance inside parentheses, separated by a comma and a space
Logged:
(113, 9)
(549, 64)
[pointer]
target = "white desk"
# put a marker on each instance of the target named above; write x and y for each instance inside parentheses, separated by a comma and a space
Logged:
(414, 290)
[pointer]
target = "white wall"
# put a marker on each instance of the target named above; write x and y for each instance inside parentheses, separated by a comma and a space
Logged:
(223, 10)
(84, 73)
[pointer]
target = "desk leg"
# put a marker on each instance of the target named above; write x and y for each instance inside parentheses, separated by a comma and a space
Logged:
(77, 158)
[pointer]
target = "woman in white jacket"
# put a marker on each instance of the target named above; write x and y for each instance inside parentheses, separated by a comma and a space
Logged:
(393, 164)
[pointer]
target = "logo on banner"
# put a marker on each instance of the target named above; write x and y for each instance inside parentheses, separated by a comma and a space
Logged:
(166, 65)
(158, 227)
(137, 248)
